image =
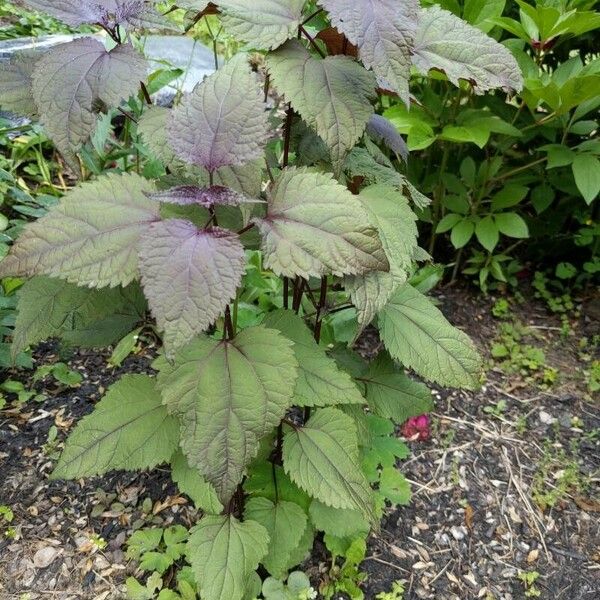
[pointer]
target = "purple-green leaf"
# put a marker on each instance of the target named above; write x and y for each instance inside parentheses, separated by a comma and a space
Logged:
(384, 131)
(332, 95)
(223, 122)
(204, 196)
(15, 85)
(91, 237)
(384, 32)
(189, 275)
(314, 226)
(448, 44)
(106, 12)
(72, 81)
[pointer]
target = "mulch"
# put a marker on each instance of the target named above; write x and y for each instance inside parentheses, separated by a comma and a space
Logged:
(472, 527)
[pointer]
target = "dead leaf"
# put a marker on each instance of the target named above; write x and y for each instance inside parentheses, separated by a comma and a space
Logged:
(45, 556)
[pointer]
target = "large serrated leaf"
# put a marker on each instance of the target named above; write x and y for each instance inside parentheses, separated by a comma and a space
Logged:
(189, 275)
(322, 458)
(107, 12)
(50, 307)
(72, 81)
(332, 95)
(129, 429)
(223, 553)
(392, 394)
(448, 44)
(391, 214)
(320, 382)
(285, 522)
(190, 482)
(228, 394)
(91, 237)
(314, 226)
(230, 124)
(15, 85)
(418, 335)
(383, 31)
(336, 521)
(264, 24)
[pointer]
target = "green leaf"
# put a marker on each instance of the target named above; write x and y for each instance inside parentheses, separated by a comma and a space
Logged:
(264, 24)
(392, 394)
(477, 12)
(462, 232)
(487, 233)
(509, 196)
(322, 458)
(512, 225)
(586, 170)
(448, 222)
(285, 522)
(129, 429)
(390, 213)
(417, 334)
(224, 415)
(223, 553)
(338, 522)
(384, 33)
(190, 482)
(15, 85)
(49, 307)
(558, 155)
(90, 238)
(320, 382)
(474, 133)
(394, 487)
(446, 43)
(261, 482)
(143, 540)
(332, 95)
(155, 561)
(314, 227)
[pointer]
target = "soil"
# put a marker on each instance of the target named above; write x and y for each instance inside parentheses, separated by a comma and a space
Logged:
(474, 523)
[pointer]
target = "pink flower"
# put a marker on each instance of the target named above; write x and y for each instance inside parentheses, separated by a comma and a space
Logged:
(417, 428)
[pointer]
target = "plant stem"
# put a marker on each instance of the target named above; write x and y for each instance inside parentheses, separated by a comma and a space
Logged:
(312, 42)
(228, 331)
(245, 229)
(311, 17)
(519, 169)
(286, 293)
(320, 307)
(297, 297)
(145, 93)
(287, 135)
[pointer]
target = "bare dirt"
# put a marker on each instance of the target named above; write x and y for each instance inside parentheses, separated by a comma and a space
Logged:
(474, 524)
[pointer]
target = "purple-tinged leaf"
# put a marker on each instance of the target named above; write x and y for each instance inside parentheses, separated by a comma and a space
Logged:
(223, 122)
(332, 95)
(383, 31)
(91, 237)
(264, 24)
(382, 130)
(448, 44)
(189, 275)
(139, 13)
(15, 85)
(314, 226)
(204, 196)
(72, 80)
(228, 394)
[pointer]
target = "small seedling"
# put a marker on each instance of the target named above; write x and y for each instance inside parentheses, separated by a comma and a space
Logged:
(396, 593)
(528, 578)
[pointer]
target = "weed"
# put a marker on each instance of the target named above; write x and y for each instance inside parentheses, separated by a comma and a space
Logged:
(396, 593)
(528, 578)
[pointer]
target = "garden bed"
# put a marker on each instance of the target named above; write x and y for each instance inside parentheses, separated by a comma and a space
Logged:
(474, 523)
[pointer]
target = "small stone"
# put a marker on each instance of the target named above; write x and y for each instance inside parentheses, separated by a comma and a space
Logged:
(458, 533)
(546, 418)
(44, 557)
